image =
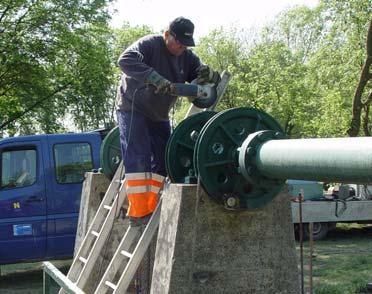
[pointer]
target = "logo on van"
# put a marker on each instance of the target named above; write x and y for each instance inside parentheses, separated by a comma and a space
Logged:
(16, 205)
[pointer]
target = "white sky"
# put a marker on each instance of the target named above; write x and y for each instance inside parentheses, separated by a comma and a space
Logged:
(205, 14)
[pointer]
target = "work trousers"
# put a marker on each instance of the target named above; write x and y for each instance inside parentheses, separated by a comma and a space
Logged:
(143, 143)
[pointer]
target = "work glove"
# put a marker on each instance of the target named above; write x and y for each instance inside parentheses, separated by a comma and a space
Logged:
(207, 75)
(161, 84)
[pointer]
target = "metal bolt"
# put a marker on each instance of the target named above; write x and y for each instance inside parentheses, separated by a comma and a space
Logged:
(261, 137)
(185, 161)
(231, 202)
(239, 130)
(217, 148)
(250, 151)
(278, 135)
(250, 170)
(194, 135)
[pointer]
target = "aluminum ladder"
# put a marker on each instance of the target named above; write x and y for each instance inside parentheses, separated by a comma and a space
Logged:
(98, 231)
(133, 259)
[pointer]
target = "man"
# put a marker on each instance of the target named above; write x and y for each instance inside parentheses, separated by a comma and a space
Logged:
(149, 67)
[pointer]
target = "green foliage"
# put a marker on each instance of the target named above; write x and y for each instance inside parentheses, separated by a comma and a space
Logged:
(124, 37)
(58, 59)
(303, 69)
(54, 60)
(127, 35)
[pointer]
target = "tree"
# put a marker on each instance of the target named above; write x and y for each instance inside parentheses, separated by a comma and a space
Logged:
(54, 56)
(329, 41)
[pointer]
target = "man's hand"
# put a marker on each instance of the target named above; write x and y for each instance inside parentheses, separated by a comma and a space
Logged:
(207, 75)
(162, 85)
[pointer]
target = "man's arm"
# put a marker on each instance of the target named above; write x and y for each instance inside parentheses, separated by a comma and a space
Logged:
(133, 60)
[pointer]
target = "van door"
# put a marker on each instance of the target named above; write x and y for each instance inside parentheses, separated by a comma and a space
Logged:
(70, 157)
(22, 202)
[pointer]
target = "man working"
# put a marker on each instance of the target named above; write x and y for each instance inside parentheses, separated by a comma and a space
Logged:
(149, 67)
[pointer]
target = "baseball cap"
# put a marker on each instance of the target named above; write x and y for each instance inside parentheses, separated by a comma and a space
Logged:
(182, 30)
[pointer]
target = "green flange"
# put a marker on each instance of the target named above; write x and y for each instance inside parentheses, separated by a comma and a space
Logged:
(110, 153)
(216, 157)
(180, 148)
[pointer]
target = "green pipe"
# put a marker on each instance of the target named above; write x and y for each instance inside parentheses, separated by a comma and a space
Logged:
(346, 160)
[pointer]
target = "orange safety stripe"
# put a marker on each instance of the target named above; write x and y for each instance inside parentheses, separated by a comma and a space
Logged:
(142, 204)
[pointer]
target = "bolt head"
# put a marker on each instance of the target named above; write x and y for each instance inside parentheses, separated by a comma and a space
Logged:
(250, 151)
(231, 202)
(194, 135)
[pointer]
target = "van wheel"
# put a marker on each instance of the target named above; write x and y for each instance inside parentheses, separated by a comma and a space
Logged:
(320, 231)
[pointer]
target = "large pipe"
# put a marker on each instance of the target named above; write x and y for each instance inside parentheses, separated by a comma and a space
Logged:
(347, 160)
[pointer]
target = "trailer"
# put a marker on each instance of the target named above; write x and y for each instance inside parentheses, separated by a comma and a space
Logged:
(348, 203)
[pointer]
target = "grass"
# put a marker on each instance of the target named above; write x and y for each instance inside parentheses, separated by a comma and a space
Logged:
(342, 263)
(27, 278)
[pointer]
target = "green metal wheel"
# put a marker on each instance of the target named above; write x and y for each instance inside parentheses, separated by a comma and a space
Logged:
(110, 153)
(180, 148)
(216, 158)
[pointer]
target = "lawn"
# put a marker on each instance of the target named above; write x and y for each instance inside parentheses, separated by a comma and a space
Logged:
(27, 278)
(342, 263)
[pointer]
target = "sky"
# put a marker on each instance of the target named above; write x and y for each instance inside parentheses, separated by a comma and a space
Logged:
(205, 14)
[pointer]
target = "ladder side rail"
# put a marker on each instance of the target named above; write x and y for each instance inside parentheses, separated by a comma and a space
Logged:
(96, 224)
(139, 251)
(117, 259)
(101, 240)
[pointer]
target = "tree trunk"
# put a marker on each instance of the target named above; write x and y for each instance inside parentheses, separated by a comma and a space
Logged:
(365, 76)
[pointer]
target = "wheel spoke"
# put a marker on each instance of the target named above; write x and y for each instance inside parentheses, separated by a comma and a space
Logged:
(217, 163)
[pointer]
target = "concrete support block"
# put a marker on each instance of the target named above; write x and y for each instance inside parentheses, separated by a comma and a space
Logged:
(93, 190)
(203, 248)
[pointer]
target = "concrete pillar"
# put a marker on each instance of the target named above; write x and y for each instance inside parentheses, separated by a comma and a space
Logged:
(203, 248)
(93, 191)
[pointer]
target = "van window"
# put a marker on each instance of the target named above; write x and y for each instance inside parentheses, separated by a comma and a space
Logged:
(71, 161)
(18, 168)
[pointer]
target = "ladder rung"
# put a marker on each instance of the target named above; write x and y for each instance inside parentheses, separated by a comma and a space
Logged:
(95, 233)
(82, 259)
(126, 253)
(108, 207)
(111, 285)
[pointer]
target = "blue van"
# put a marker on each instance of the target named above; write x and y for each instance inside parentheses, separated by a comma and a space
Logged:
(41, 182)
